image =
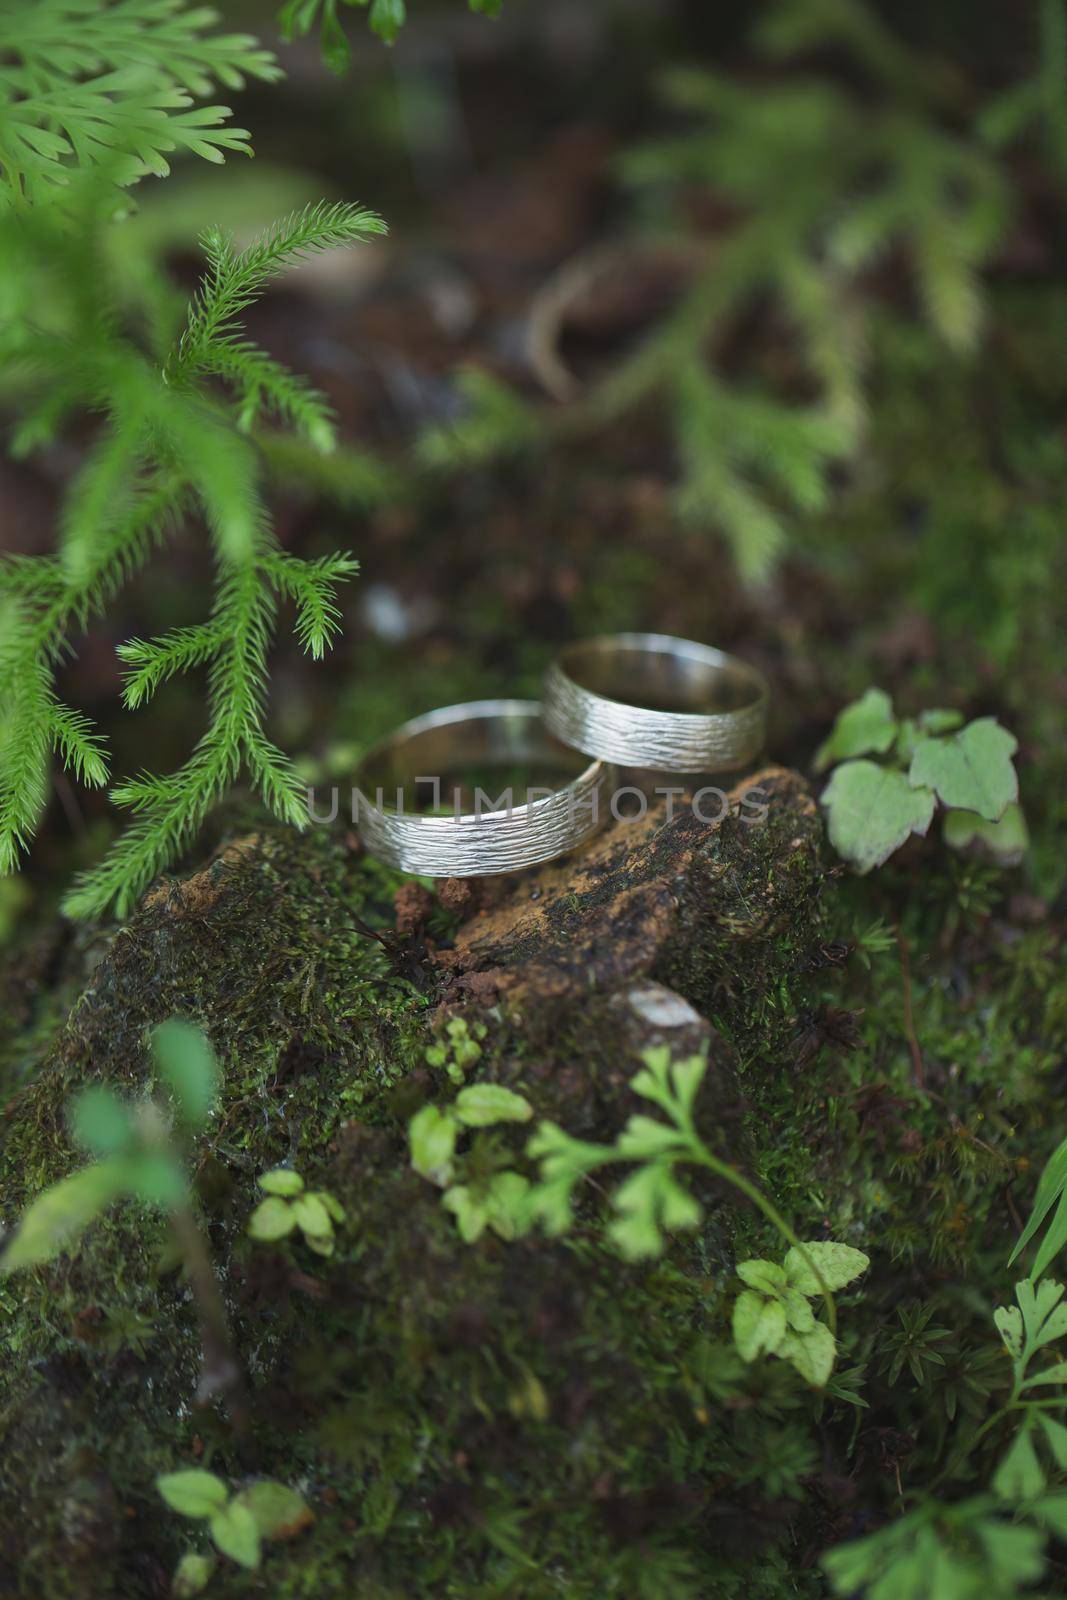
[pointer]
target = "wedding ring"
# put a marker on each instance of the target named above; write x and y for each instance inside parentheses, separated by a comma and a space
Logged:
(419, 808)
(649, 700)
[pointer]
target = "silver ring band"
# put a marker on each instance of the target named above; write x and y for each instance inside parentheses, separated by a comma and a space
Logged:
(490, 833)
(650, 700)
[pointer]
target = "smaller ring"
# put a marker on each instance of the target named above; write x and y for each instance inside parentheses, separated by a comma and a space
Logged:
(650, 700)
(485, 735)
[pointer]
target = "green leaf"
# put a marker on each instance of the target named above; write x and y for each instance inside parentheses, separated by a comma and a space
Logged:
(1005, 842)
(311, 1215)
(1051, 1512)
(839, 1265)
(872, 811)
(235, 1533)
(1051, 1187)
(481, 1105)
(101, 1122)
(1020, 1475)
(971, 770)
(432, 1137)
(645, 1139)
(193, 1492)
(469, 1209)
(156, 1179)
(192, 1575)
(758, 1325)
(272, 1219)
(507, 1201)
(1056, 1438)
(61, 1213)
(279, 1512)
(811, 1353)
(186, 1064)
(281, 1180)
(866, 726)
(765, 1275)
(1009, 1322)
(940, 721)
(798, 1312)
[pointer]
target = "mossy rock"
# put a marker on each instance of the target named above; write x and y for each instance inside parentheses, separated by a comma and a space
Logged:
(528, 1418)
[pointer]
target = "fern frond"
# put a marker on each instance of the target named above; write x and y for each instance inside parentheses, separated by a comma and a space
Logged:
(234, 279)
(155, 660)
(350, 477)
(313, 585)
(111, 84)
(166, 443)
(263, 384)
(385, 17)
(80, 748)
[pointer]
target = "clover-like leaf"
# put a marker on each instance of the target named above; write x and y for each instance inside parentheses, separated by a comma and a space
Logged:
(193, 1492)
(281, 1180)
(971, 770)
(311, 1215)
(482, 1105)
(279, 1512)
(432, 1138)
(765, 1275)
(469, 1209)
(758, 1324)
(192, 1575)
(872, 811)
(1005, 842)
(838, 1264)
(236, 1534)
(865, 727)
(811, 1353)
(272, 1219)
(508, 1204)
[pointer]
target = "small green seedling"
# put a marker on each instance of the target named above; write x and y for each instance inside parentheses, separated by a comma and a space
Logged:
(773, 1316)
(499, 1202)
(461, 1048)
(290, 1207)
(874, 806)
(237, 1523)
(135, 1145)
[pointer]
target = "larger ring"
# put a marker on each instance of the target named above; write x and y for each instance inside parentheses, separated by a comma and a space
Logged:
(480, 833)
(649, 700)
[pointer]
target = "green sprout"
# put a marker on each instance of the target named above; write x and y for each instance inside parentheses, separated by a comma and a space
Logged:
(289, 1206)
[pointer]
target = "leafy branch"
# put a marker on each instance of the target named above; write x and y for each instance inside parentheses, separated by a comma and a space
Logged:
(169, 443)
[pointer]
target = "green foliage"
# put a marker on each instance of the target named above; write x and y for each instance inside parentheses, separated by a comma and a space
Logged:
(290, 1206)
(969, 1551)
(237, 1523)
(460, 1049)
(169, 442)
(385, 17)
(873, 808)
(1051, 1191)
(112, 84)
(136, 1157)
(772, 1316)
(823, 181)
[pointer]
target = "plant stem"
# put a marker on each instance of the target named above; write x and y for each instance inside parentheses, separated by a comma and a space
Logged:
(220, 1371)
(722, 1169)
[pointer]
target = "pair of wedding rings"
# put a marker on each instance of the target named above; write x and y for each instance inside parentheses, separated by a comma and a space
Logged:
(640, 700)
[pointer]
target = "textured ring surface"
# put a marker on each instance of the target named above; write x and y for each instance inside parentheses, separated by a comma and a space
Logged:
(490, 734)
(650, 700)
